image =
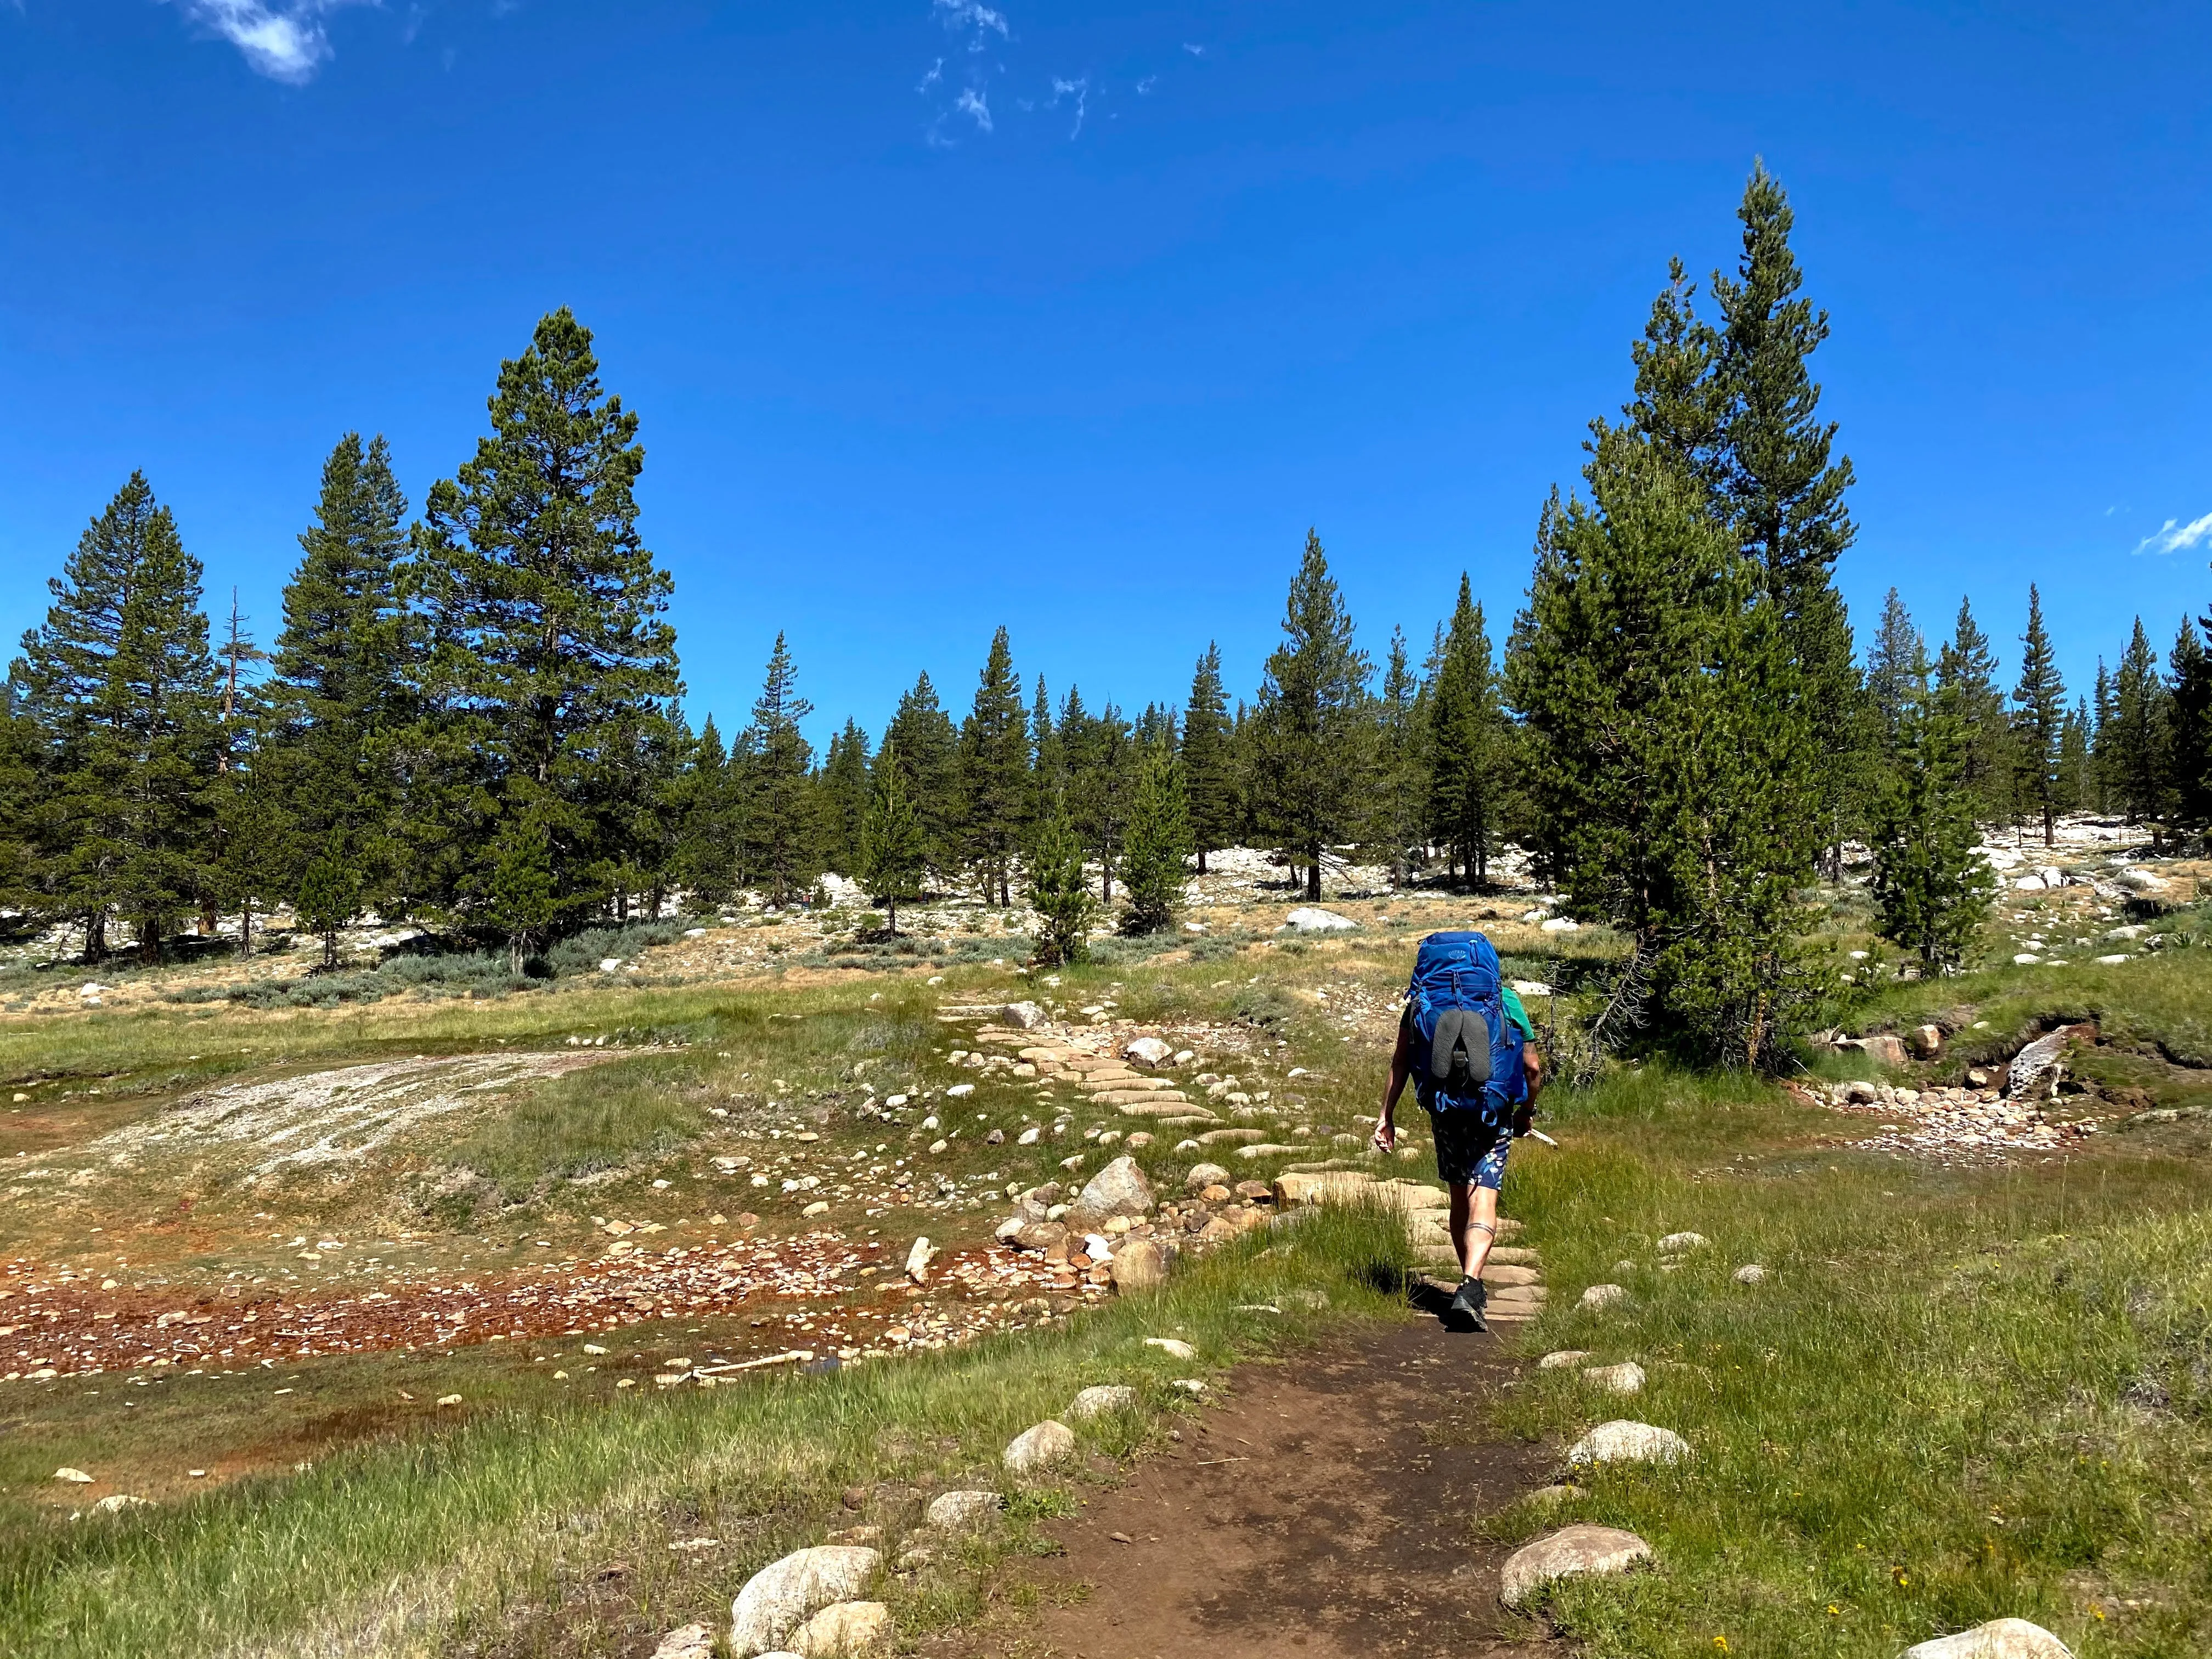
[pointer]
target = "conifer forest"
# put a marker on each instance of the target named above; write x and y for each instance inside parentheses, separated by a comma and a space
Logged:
(472, 717)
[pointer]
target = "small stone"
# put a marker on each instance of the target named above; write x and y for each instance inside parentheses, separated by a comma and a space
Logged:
(1750, 1274)
(1926, 1042)
(115, 1502)
(1569, 1552)
(782, 1594)
(1119, 1188)
(918, 1260)
(2001, 1638)
(1551, 1497)
(687, 1642)
(1100, 1399)
(76, 1477)
(1174, 1347)
(1626, 1378)
(996, 1137)
(1604, 1295)
(449, 1400)
(1146, 1051)
(1310, 919)
(1977, 1077)
(844, 1629)
(1141, 1264)
(1023, 1016)
(1675, 1244)
(1561, 1359)
(1040, 1448)
(1624, 1441)
(962, 1511)
(1203, 1175)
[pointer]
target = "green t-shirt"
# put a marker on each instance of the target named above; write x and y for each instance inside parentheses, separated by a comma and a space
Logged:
(1516, 1015)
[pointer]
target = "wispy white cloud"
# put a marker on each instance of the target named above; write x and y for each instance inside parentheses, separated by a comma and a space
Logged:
(936, 74)
(2174, 536)
(1080, 91)
(1146, 86)
(283, 40)
(1196, 52)
(972, 103)
(970, 15)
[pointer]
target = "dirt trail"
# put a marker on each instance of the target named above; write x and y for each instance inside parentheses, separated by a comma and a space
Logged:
(1309, 1514)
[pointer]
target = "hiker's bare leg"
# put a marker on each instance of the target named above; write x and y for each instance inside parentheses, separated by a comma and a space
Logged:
(1473, 1225)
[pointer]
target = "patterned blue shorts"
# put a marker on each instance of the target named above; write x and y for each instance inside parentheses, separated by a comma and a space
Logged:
(1471, 1148)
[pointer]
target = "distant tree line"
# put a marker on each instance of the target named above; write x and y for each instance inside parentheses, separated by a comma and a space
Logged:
(473, 718)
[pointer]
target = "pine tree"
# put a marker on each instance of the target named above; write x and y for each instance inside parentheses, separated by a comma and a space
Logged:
(2190, 754)
(1402, 762)
(708, 825)
(779, 832)
(552, 650)
(1208, 766)
(522, 897)
(2138, 742)
(1313, 730)
(1465, 748)
(124, 694)
(892, 850)
(2038, 713)
(1784, 494)
(1680, 404)
(1668, 748)
(1048, 755)
(1931, 888)
(928, 751)
(19, 801)
(2104, 761)
(328, 895)
(1967, 673)
(846, 791)
(1897, 670)
(1100, 752)
(2077, 764)
(1157, 845)
(994, 766)
(1059, 892)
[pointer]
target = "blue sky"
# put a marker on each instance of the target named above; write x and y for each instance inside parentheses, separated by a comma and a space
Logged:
(940, 315)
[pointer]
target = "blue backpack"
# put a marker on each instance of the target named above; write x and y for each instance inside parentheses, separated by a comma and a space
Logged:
(1466, 1056)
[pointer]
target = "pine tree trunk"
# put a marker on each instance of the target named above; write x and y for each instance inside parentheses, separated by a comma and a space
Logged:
(246, 928)
(1313, 877)
(95, 937)
(2050, 831)
(1201, 860)
(149, 941)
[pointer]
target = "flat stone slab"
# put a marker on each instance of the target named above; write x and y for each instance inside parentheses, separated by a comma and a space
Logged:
(1569, 1552)
(1628, 1378)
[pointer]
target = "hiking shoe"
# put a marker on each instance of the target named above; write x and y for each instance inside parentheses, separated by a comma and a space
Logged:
(1466, 1306)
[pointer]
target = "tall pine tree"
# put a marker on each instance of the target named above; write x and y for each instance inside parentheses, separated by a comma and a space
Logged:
(1157, 844)
(2137, 742)
(1312, 737)
(892, 849)
(1401, 772)
(929, 754)
(846, 790)
(1967, 673)
(1897, 670)
(1466, 745)
(1208, 765)
(551, 639)
(2190, 758)
(2038, 716)
(1931, 888)
(779, 832)
(995, 771)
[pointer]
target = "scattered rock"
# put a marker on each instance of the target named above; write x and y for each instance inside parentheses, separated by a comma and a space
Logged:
(1203, 1175)
(1625, 1378)
(1562, 1358)
(1119, 1188)
(1100, 1399)
(2141, 881)
(1040, 1448)
(75, 1476)
(1551, 1497)
(1861, 1091)
(1569, 1552)
(918, 1260)
(1146, 1051)
(1023, 1016)
(1604, 1295)
(1326, 1187)
(2036, 1069)
(1624, 1441)
(1926, 1042)
(1674, 1243)
(1560, 925)
(778, 1598)
(1310, 919)
(1173, 1346)
(1750, 1274)
(844, 1629)
(962, 1511)
(1977, 1077)
(687, 1642)
(2001, 1638)
(1141, 1264)
(1885, 1049)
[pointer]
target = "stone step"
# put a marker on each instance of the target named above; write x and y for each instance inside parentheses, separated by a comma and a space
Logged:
(1163, 1098)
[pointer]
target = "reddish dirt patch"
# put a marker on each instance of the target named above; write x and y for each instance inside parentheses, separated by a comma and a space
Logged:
(1311, 1515)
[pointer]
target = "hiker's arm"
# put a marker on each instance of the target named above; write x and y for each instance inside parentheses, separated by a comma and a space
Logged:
(1532, 1067)
(1401, 1067)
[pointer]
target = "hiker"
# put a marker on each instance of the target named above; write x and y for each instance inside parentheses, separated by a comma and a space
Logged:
(1465, 1041)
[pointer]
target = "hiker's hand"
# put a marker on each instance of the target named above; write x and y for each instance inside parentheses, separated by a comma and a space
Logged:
(1524, 1119)
(1386, 1135)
